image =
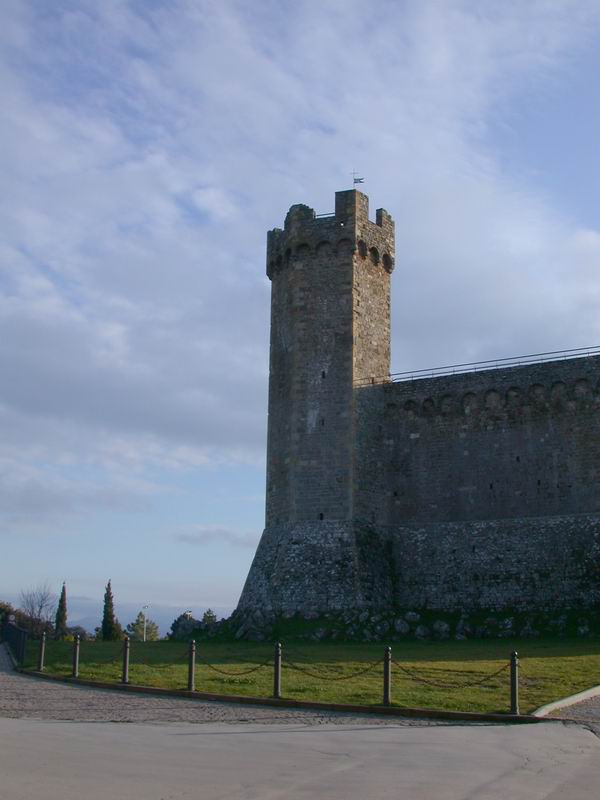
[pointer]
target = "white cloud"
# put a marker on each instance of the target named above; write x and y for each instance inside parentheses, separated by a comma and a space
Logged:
(147, 149)
(201, 535)
(39, 500)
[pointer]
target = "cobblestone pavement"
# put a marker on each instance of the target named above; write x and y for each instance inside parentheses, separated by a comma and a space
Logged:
(585, 713)
(24, 696)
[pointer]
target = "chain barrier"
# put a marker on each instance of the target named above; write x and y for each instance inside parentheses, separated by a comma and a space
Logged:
(525, 678)
(242, 660)
(87, 658)
(439, 685)
(237, 672)
(137, 661)
(292, 664)
(183, 658)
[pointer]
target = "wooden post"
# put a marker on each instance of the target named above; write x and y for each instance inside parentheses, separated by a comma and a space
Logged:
(514, 683)
(192, 667)
(125, 678)
(387, 677)
(42, 652)
(277, 671)
(76, 644)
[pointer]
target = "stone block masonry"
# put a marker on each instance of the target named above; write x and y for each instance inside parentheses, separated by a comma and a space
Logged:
(520, 564)
(329, 322)
(456, 493)
(516, 442)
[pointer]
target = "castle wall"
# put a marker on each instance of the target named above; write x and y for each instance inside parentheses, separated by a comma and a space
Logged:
(486, 485)
(524, 564)
(517, 442)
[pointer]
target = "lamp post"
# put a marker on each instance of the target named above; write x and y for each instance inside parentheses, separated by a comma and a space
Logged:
(144, 611)
(188, 616)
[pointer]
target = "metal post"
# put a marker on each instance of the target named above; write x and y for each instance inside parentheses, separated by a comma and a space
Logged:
(76, 645)
(125, 678)
(22, 648)
(277, 671)
(514, 683)
(192, 667)
(387, 677)
(42, 652)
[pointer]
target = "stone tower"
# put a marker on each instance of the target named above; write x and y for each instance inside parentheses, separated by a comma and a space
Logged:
(330, 335)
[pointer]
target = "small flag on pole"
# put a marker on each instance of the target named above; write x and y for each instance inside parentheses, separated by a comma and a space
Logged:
(359, 180)
(356, 179)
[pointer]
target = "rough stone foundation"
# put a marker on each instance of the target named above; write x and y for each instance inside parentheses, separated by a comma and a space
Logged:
(537, 564)
(318, 567)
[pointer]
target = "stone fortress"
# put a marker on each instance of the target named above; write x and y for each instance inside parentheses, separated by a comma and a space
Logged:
(460, 493)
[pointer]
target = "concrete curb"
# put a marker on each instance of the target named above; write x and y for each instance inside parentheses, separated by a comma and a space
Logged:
(564, 702)
(394, 711)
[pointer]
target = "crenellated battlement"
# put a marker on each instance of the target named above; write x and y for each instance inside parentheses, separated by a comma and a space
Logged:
(347, 231)
(493, 403)
(552, 386)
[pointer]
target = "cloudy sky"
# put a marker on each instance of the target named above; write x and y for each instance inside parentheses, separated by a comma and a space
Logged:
(147, 146)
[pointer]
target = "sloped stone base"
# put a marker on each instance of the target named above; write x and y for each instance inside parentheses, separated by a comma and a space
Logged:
(319, 567)
(535, 565)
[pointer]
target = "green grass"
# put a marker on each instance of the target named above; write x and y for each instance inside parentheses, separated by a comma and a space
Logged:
(550, 669)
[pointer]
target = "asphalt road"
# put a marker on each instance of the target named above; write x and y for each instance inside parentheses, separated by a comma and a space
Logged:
(96, 761)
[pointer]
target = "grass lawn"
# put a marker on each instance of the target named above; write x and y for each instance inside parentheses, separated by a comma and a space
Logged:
(550, 669)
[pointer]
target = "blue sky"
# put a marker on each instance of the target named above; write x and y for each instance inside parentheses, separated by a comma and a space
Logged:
(146, 148)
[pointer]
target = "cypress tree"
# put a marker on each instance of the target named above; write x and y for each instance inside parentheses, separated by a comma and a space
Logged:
(60, 624)
(111, 630)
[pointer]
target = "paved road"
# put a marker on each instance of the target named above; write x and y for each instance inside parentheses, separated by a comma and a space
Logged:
(64, 760)
(52, 746)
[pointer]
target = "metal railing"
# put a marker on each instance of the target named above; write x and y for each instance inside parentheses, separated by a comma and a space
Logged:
(480, 366)
(16, 639)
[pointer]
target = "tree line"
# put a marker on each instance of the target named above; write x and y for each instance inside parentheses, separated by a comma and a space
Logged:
(39, 612)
